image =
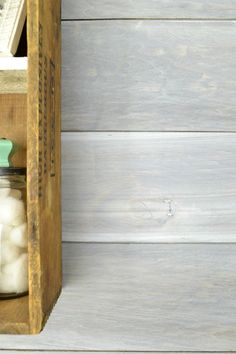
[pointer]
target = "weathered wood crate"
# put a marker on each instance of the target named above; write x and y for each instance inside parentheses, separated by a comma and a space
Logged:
(30, 115)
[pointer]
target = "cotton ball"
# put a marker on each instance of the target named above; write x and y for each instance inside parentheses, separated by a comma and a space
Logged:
(9, 252)
(9, 192)
(4, 183)
(18, 271)
(4, 239)
(12, 211)
(15, 193)
(1, 228)
(7, 284)
(5, 233)
(4, 192)
(18, 235)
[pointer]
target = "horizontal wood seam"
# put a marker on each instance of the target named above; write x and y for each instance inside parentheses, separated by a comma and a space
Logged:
(109, 351)
(148, 19)
(151, 131)
(147, 243)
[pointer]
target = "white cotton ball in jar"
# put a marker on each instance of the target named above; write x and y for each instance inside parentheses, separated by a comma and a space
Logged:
(5, 231)
(1, 234)
(10, 192)
(18, 271)
(18, 235)
(4, 183)
(7, 284)
(12, 211)
(9, 252)
(15, 193)
(4, 192)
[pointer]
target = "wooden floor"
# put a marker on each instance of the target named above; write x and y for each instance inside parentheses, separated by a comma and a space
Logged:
(136, 297)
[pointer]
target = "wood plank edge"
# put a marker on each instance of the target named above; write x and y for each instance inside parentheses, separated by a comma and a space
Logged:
(45, 316)
(14, 328)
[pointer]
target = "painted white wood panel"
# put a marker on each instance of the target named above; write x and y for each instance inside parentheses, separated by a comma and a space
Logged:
(149, 187)
(93, 9)
(149, 75)
(142, 298)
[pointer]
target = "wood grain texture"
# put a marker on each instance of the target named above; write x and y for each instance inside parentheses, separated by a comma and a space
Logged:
(13, 81)
(14, 316)
(149, 75)
(43, 159)
(149, 187)
(92, 9)
(142, 298)
(32, 120)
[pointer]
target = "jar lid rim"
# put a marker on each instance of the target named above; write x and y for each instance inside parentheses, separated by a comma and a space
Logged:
(9, 171)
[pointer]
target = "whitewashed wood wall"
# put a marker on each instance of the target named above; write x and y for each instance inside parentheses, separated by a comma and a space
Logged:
(134, 71)
(149, 179)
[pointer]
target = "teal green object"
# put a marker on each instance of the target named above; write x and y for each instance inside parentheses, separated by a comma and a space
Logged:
(6, 151)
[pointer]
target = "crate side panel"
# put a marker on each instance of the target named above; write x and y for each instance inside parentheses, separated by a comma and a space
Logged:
(44, 157)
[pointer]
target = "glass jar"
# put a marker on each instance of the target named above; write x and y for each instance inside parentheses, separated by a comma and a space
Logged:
(13, 233)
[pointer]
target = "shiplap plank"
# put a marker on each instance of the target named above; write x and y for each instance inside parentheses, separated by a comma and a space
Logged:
(149, 187)
(93, 9)
(142, 298)
(149, 75)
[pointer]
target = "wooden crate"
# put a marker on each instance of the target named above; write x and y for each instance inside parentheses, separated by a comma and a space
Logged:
(30, 115)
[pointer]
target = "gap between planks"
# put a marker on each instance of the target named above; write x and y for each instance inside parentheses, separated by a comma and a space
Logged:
(106, 351)
(149, 19)
(149, 243)
(2, 351)
(151, 131)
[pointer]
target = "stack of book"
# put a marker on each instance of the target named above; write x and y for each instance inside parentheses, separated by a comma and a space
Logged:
(12, 20)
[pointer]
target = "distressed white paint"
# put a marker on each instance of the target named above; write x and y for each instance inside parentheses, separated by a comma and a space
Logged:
(206, 9)
(142, 298)
(149, 187)
(146, 75)
(149, 75)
